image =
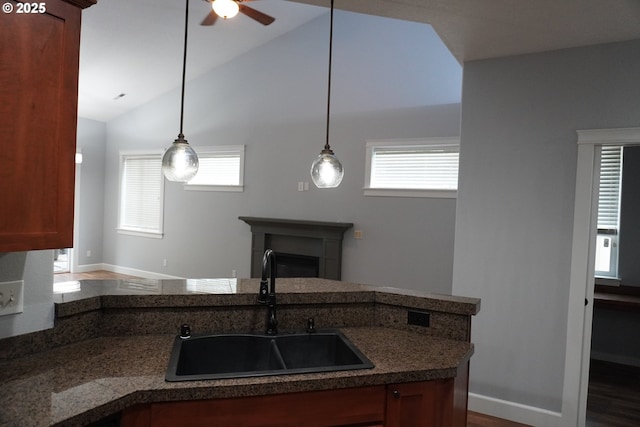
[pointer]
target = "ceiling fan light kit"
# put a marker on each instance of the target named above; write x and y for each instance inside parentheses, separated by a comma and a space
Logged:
(326, 170)
(180, 162)
(229, 8)
(225, 8)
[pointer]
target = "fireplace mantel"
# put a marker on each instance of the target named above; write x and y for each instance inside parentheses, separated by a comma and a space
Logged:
(300, 237)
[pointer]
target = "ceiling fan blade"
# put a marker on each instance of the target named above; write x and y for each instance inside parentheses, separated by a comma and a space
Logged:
(210, 19)
(257, 15)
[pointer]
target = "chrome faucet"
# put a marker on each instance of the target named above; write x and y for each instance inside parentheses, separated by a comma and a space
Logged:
(267, 295)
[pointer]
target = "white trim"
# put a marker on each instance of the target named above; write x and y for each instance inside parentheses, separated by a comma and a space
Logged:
(123, 230)
(138, 233)
(433, 142)
(221, 149)
(74, 251)
(400, 192)
(609, 136)
(87, 268)
(581, 284)
(515, 412)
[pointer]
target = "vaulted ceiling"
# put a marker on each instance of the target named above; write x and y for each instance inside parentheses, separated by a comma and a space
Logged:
(135, 47)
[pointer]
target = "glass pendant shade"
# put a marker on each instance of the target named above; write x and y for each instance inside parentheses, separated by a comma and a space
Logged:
(326, 170)
(180, 161)
(225, 8)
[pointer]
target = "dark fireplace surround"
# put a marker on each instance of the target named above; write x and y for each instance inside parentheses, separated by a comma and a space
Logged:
(303, 248)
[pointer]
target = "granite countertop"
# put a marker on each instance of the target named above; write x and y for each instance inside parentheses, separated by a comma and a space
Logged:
(110, 346)
(84, 382)
(85, 295)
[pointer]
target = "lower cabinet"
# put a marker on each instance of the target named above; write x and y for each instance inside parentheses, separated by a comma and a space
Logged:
(419, 404)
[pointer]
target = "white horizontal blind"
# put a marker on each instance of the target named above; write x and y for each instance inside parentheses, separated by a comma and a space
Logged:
(418, 167)
(610, 182)
(218, 169)
(141, 193)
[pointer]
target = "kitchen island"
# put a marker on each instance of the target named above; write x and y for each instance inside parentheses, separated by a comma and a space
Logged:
(109, 349)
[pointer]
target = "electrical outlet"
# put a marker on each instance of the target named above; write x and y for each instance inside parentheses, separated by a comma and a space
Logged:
(234, 273)
(89, 254)
(164, 262)
(11, 296)
(419, 318)
(357, 234)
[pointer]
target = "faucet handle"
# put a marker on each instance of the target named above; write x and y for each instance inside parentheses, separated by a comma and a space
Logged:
(311, 325)
(185, 331)
(264, 292)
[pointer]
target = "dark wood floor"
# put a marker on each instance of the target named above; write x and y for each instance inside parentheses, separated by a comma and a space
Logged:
(614, 395)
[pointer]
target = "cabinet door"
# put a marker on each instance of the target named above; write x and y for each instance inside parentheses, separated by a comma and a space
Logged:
(360, 407)
(420, 404)
(38, 111)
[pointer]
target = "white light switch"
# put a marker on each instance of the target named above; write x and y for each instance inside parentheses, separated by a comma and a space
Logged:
(11, 296)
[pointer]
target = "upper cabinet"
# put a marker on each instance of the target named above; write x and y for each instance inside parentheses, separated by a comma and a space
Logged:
(39, 60)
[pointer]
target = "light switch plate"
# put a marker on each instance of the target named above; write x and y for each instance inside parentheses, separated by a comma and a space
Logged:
(11, 297)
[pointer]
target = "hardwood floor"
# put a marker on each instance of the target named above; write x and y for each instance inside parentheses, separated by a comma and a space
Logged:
(475, 419)
(614, 395)
(93, 275)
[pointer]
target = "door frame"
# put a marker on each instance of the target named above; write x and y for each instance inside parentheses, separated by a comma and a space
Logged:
(581, 285)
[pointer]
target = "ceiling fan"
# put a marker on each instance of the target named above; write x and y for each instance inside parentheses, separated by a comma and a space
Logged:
(230, 8)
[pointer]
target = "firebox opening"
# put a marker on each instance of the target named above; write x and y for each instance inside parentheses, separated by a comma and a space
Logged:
(291, 265)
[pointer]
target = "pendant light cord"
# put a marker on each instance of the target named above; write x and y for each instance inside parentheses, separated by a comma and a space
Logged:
(184, 65)
(326, 145)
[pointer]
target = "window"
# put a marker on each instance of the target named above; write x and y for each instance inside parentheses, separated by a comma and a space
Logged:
(221, 169)
(609, 211)
(141, 194)
(413, 168)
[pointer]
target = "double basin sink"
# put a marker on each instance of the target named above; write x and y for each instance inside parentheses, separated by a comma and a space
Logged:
(250, 355)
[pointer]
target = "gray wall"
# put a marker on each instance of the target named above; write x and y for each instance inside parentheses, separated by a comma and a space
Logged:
(91, 141)
(36, 269)
(273, 100)
(515, 204)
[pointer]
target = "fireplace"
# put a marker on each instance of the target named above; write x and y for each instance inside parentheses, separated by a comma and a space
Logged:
(303, 248)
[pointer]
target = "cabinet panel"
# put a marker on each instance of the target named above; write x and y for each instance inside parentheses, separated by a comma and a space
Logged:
(420, 404)
(38, 111)
(342, 407)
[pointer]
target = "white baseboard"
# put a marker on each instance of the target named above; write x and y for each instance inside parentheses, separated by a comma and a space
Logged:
(87, 268)
(123, 270)
(616, 358)
(515, 412)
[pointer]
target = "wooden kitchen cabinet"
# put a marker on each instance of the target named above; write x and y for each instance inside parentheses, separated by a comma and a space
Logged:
(418, 404)
(38, 118)
(341, 407)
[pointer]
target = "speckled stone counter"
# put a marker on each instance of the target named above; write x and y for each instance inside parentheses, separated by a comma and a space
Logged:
(110, 347)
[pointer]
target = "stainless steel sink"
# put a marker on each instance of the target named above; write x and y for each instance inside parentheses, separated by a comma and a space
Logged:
(249, 355)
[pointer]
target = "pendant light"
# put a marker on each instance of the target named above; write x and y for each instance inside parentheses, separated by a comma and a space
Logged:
(180, 161)
(326, 170)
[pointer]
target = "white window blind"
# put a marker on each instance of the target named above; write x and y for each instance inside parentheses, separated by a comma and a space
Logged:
(610, 182)
(425, 168)
(141, 193)
(221, 168)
